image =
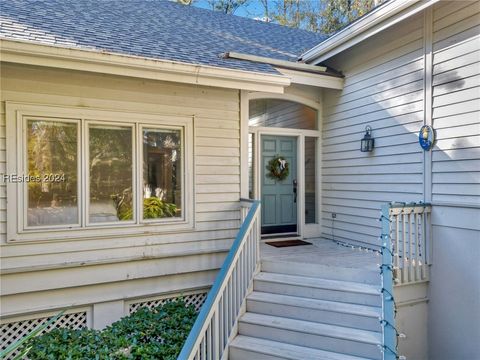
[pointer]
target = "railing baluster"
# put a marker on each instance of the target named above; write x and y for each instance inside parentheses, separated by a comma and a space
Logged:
(234, 290)
(397, 249)
(209, 341)
(216, 336)
(411, 230)
(417, 247)
(212, 329)
(404, 250)
(229, 306)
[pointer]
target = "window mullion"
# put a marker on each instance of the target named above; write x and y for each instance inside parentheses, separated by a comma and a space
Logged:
(84, 173)
(138, 177)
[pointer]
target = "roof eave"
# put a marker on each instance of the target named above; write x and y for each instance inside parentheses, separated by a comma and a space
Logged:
(376, 21)
(28, 53)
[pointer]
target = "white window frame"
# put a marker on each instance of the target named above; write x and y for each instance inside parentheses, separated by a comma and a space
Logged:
(16, 116)
(22, 166)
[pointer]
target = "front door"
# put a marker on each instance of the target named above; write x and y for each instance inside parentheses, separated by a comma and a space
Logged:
(279, 197)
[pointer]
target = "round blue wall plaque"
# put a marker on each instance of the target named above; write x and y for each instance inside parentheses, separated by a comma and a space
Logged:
(426, 137)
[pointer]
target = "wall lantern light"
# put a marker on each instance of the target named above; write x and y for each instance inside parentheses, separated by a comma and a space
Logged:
(367, 142)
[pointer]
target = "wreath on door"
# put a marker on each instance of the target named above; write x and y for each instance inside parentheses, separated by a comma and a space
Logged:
(278, 168)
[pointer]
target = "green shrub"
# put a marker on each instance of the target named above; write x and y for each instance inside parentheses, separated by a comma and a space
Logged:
(153, 208)
(145, 334)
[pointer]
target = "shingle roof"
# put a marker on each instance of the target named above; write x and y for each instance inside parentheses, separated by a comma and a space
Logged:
(157, 29)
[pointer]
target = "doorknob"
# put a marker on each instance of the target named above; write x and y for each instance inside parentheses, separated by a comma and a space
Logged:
(295, 190)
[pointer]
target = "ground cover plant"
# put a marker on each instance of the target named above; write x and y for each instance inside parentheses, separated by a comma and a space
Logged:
(157, 333)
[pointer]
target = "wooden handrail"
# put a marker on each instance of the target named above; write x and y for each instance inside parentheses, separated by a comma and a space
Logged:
(211, 331)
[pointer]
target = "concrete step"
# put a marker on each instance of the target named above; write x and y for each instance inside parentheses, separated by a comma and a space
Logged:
(322, 271)
(328, 312)
(317, 288)
(249, 348)
(326, 337)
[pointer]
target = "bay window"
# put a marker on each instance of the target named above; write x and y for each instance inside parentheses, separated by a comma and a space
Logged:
(93, 174)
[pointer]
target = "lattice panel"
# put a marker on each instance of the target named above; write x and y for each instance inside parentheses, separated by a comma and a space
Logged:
(12, 331)
(196, 299)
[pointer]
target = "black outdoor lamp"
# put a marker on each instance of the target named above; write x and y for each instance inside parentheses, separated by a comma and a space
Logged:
(367, 141)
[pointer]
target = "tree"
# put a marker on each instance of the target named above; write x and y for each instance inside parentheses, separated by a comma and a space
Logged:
(325, 16)
(226, 6)
(336, 14)
(185, 2)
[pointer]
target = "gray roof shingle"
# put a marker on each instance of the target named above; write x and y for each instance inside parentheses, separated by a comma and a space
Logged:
(157, 29)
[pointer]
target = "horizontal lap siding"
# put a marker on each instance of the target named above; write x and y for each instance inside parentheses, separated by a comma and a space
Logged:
(383, 89)
(456, 103)
(81, 266)
(455, 181)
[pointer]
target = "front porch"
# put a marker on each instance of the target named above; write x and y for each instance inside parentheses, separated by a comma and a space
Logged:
(323, 252)
(324, 300)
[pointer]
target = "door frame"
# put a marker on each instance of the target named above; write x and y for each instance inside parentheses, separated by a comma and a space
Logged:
(303, 230)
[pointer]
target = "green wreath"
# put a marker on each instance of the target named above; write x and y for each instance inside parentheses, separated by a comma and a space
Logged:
(278, 168)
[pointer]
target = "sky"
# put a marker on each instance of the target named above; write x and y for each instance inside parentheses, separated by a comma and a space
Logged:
(252, 9)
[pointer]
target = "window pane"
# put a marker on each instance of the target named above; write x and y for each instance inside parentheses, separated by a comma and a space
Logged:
(310, 180)
(251, 158)
(52, 158)
(281, 114)
(162, 173)
(110, 165)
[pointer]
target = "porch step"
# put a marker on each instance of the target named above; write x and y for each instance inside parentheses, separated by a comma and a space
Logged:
(324, 311)
(249, 348)
(324, 271)
(318, 288)
(309, 334)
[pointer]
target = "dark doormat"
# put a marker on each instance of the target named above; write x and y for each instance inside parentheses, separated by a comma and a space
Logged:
(287, 243)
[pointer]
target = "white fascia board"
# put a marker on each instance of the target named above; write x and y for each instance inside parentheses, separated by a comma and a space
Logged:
(276, 62)
(29, 53)
(310, 79)
(378, 20)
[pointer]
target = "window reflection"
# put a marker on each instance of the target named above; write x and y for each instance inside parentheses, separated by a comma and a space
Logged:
(162, 173)
(52, 162)
(110, 165)
(281, 114)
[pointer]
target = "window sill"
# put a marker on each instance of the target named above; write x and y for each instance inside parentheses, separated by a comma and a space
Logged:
(109, 232)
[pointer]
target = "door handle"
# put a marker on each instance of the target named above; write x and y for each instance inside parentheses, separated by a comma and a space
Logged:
(295, 184)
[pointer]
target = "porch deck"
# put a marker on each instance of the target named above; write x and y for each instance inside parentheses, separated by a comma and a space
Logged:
(324, 252)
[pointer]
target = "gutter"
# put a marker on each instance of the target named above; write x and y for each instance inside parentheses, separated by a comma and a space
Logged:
(28, 53)
(379, 19)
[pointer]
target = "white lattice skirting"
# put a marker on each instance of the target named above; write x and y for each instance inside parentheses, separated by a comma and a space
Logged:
(13, 330)
(195, 298)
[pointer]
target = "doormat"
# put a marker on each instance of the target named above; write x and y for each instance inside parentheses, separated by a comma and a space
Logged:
(287, 243)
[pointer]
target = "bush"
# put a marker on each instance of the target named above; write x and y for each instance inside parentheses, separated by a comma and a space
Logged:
(153, 208)
(146, 334)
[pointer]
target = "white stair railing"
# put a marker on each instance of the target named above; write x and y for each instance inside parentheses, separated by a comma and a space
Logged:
(213, 327)
(411, 240)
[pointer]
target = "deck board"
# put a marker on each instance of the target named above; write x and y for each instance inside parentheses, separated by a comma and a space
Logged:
(324, 252)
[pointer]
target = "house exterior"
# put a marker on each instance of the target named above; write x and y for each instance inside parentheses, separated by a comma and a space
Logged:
(423, 69)
(137, 106)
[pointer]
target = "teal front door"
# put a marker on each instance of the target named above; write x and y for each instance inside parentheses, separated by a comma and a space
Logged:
(279, 197)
